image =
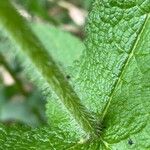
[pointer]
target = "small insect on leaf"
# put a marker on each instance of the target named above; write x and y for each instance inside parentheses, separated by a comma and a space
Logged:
(130, 142)
(68, 77)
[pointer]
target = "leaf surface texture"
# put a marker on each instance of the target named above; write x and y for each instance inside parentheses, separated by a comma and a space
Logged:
(112, 78)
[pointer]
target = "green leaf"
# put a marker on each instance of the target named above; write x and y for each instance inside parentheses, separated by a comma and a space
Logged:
(112, 80)
(28, 110)
(64, 51)
(45, 71)
(20, 137)
(115, 73)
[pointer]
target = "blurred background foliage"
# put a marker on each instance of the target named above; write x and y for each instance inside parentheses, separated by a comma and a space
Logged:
(20, 101)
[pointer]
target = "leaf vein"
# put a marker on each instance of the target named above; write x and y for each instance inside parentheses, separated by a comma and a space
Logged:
(130, 55)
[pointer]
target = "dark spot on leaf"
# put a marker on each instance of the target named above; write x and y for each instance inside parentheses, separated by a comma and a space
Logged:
(130, 142)
(68, 77)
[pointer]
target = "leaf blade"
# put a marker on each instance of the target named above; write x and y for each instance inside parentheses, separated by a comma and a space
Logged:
(116, 30)
(46, 67)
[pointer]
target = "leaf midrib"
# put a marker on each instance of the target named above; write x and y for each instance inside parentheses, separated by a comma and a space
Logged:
(126, 62)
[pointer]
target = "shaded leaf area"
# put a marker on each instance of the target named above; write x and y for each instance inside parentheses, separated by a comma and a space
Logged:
(64, 47)
(64, 61)
(47, 74)
(18, 137)
(24, 110)
(19, 102)
(113, 79)
(64, 52)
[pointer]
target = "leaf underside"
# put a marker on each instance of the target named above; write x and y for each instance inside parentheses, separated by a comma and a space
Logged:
(112, 80)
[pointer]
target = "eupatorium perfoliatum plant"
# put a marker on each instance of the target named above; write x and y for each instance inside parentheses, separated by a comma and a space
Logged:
(105, 105)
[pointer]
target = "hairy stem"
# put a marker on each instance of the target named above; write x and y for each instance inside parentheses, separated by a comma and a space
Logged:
(20, 32)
